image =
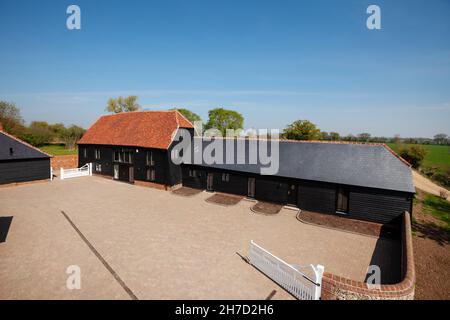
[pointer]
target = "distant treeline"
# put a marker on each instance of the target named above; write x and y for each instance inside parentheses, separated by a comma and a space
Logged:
(38, 133)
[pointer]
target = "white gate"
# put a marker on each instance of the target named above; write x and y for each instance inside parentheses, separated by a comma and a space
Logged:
(300, 285)
(85, 170)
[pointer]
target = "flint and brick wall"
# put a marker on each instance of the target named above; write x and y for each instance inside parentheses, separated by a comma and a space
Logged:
(65, 162)
(339, 288)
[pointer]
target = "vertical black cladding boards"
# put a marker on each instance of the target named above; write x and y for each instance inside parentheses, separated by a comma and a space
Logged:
(24, 170)
(163, 173)
(377, 205)
(317, 197)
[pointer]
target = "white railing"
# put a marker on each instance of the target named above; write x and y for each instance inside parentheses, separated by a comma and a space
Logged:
(300, 285)
(85, 170)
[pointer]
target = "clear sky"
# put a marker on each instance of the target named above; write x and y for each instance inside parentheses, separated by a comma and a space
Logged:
(273, 61)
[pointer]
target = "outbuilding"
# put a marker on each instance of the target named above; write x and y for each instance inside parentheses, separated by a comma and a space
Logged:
(361, 181)
(21, 162)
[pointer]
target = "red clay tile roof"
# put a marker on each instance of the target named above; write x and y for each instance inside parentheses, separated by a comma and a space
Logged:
(148, 129)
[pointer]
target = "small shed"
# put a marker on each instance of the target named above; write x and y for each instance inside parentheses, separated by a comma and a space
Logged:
(21, 162)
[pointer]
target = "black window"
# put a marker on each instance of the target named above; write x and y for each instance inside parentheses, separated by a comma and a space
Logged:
(225, 177)
(342, 200)
(97, 153)
(150, 161)
(192, 173)
(122, 156)
(85, 152)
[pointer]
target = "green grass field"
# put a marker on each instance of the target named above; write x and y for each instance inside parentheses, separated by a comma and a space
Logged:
(437, 156)
(57, 150)
(438, 207)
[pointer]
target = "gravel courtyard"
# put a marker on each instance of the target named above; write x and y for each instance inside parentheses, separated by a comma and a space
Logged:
(162, 245)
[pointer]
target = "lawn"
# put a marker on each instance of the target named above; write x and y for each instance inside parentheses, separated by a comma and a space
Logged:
(438, 208)
(437, 156)
(57, 150)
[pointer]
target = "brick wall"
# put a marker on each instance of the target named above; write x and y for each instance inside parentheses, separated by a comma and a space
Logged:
(65, 162)
(339, 288)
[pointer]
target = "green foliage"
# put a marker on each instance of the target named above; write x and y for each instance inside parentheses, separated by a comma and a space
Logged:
(223, 119)
(38, 133)
(302, 130)
(188, 114)
(414, 154)
(10, 118)
(364, 137)
(123, 104)
(58, 150)
(441, 138)
(334, 136)
(436, 160)
(71, 136)
(438, 207)
(442, 177)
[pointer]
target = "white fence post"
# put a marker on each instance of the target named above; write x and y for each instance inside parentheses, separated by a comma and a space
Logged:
(51, 173)
(299, 284)
(318, 272)
(90, 168)
(61, 173)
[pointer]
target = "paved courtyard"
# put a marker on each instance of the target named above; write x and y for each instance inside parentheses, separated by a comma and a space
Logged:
(161, 245)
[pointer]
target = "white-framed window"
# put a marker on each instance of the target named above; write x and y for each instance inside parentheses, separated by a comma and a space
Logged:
(150, 161)
(151, 174)
(97, 153)
(122, 156)
(225, 177)
(98, 167)
(192, 173)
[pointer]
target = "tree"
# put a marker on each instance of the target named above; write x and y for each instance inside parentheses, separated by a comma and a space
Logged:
(38, 133)
(188, 114)
(123, 104)
(325, 135)
(334, 136)
(414, 154)
(441, 138)
(364, 137)
(223, 119)
(10, 118)
(58, 129)
(71, 136)
(302, 130)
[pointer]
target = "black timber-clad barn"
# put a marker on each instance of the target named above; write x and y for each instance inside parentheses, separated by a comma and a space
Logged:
(134, 147)
(20, 162)
(361, 181)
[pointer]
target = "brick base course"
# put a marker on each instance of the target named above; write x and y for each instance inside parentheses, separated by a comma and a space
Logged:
(339, 288)
(65, 162)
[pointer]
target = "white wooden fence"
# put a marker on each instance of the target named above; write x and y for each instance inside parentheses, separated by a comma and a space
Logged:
(300, 285)
(85, 170)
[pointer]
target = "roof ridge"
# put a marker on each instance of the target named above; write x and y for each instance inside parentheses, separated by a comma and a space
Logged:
(304, 141)
(25, 143)
(177, 114)
(396, 155)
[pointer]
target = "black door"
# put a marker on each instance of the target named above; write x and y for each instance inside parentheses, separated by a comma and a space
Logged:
(124, 173)
(292, 194)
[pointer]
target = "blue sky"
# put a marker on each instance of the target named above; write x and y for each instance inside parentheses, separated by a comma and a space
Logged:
(273, 61)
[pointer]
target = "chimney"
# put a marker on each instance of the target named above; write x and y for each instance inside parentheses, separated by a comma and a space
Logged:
(1, 127)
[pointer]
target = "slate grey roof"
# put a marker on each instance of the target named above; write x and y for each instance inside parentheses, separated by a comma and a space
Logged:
(21, 150)
(365, 165)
